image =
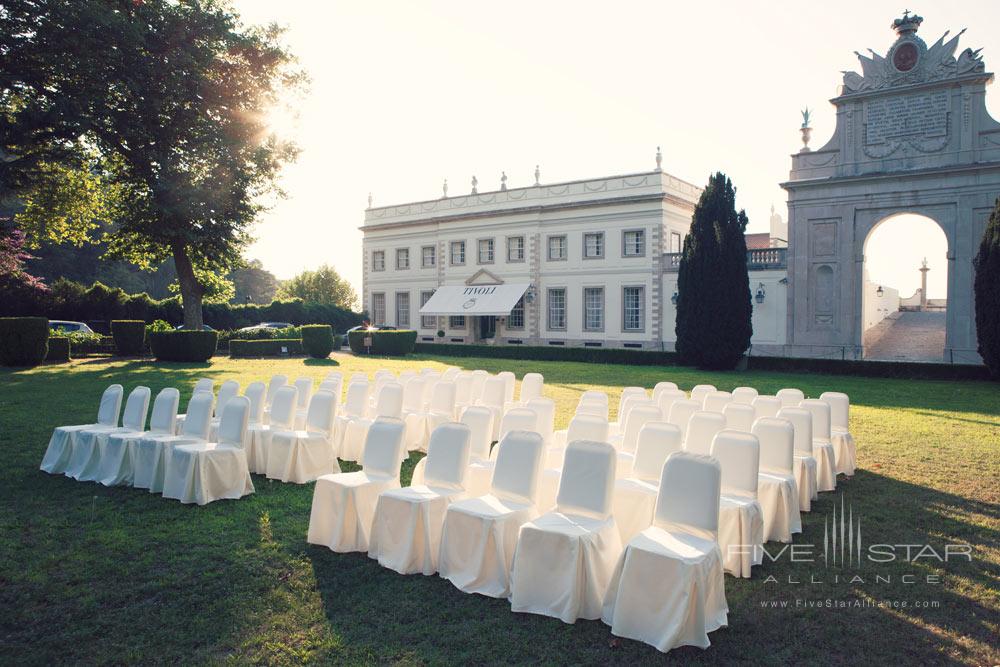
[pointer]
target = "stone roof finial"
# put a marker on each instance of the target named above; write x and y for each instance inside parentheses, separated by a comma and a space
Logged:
(503, 181)
(444, 189)
(370, 200)
(659, 159)
(475, 183)
(538, 175)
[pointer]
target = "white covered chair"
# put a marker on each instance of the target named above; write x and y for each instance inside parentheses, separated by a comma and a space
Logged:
(302, 455)
(85, 463)
(450, 374)
(631, 396)
(806, 475)
(413, 413)
(592, 408)
(60, 450)
(333, 384)
(119, 450)
(509, 385)
(463, 390)
(532, 385)
(661, 387)
(406, 530)
(564, 558)
(638, 417)
(844, 450)
(201, 384)
(668, 587)
(635, 496)
(700, 391)
(766, 406)
(479, 378)
(480, 533)
(519, 419)
(680, 413)
(343, 504)
(256, 394)
(205, 472)
(701, 431)
(440, 410)
(152, 452)
(744, 395)
(477, 480)
(389, 404)
(826, 466)
(259, 435)
(741, 520)
(667, 399)
(406, 376)
(494, 390)
(777, 492)
(303, 388)
(355, 406)
(739, 416)
(274, 384)
(581, 427)
(717, 401)
(229, 390)
(545, 408)
(790, 397)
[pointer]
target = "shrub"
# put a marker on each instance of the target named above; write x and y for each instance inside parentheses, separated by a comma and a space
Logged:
(183, 345)
(58, 349)
(317, 340)
(386, 343)
(24, 341)
(987, 290)
(129, 335)
(265, 348)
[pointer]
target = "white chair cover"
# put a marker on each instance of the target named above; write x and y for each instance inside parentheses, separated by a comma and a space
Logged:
(741, 520)
(744, 395)
(119, 450)
(205, 472)
(480, 472)
(766, 406)
(510, 382)
(406, 530)
(479, 378)
(259, 436)
(776, 490)
(494, 391)
(333, 384)
(680, 413)
(229, 390)
(463, 390)
(739, 416)
(545, 408)
(202, 384)
(826, 465)
(414, 415)
(700, 391)
(564, 559)
(388, 404)
(531, 387)
(450, 374)
(274, 384)
(667, 399)
(594, 396)
(152, 451)
(593, 408)
(806, 475)
(355, 406)
(480, 533)
(717, 401)
(634, 397)
(302, 455)
(581, 427)
(440, 410)
(701, 430)
(85, 462)
(60, 450)
(344, 504)
(304, 386)
(844, 449)
(661, 387)
(635, 496)
(519, 419)
(668, 587)
(790, 397)
(255, 393)
(638, 416)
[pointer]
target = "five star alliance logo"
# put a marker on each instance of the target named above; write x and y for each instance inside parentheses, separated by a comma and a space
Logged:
(842, 540)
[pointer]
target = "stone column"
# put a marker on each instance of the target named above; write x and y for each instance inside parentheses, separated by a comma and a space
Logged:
(923, 284)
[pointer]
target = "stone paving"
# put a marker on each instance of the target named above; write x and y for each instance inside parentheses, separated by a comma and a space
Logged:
(907, 336)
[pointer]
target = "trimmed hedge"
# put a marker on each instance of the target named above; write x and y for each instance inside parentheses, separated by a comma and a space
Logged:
(585, 354)
(183, 345)
(264, 348)
(129, 336)
(389, 343)
(317, 340)
(24, 341)
(58, 349)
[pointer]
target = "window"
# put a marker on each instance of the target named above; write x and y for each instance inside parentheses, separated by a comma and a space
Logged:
(516, 318)
(427, 256)
(402, 309)
(593, 309)
(633, 307)
(675, 242)
(427, 321)
(557, 247)
(634, 243)
(485, 251)
(557, 308)
(515, 249)
(457, 253)
(378, 308)
(456, 322)
(402, 258)
(378, 260)
(593, 245)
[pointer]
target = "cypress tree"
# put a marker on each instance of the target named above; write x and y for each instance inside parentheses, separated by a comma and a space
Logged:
(713, 288)
(987, 290)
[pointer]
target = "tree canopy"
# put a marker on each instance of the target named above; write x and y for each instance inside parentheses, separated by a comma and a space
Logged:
(165, 103)
(987, 291)
(324, 285)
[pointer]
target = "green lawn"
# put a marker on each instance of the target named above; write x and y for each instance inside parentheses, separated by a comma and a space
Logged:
(96, 575)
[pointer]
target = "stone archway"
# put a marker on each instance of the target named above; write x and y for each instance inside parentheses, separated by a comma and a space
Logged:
(912, 136)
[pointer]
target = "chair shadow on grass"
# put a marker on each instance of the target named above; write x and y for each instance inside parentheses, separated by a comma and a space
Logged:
(387, 615)
(309, 361)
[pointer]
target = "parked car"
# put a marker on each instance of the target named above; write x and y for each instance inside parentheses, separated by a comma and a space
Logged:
(204, 327)
(268, 325)
(345, 335)
(68, 326)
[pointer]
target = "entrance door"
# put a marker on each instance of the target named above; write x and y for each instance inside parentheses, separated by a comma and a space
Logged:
(487, 327)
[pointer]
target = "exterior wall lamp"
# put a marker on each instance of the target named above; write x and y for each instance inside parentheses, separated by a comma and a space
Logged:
(673, 299)
(529, 296)
(879, 292)
(759, 297)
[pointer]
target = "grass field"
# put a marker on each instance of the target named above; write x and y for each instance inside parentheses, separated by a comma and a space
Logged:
(96, 575)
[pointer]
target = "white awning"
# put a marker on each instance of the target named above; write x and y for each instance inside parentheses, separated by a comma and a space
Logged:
(474, 300)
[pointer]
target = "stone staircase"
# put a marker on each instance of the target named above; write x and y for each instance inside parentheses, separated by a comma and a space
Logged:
(907, 336)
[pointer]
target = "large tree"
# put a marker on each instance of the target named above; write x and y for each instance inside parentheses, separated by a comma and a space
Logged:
(171, 99)
(324, 285)
(713, 287)
(254, 283)
(987, 291)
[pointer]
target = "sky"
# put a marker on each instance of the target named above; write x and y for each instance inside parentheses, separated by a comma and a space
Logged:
(406, 94)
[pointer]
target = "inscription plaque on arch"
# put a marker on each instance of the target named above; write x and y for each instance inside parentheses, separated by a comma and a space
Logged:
(915, 116)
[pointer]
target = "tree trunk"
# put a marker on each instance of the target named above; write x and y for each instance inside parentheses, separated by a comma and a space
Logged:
(191, 291)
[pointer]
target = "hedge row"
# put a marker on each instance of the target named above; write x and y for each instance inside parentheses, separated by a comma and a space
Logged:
(59, 349)
(98, 305)
(318, 340)
(183, 345)
(390, 343)
(129, 336)
(24, 341)
(274, 347)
